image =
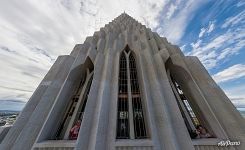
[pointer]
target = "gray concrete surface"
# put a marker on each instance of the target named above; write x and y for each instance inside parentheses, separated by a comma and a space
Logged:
(155, 58)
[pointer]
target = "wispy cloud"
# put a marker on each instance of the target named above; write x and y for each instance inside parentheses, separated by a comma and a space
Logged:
(34, 33)
(9, 104)
(219, 42)
(22, 90)
(203, 30)
(237, 96)
(178, 17)
(231, 73)
(218, 47)
(171, 10)
(207, 30)
(241, 3)
(234, 20)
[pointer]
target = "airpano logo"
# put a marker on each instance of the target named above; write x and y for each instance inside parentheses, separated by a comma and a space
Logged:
(229, 143)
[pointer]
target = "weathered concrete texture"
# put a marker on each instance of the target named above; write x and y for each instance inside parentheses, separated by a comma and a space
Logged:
(156, 60)
(3, 132)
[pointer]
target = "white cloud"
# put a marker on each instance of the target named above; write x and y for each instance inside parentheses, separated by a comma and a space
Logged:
(239, 102)
(232, 21)
(203, 30)
(171, 10)
(241, 3)
(197, 44)
(174, 28)
(219, 47)
(183, 48)
(234, 72)
(34, 33)
(236, 95)
(209, 29)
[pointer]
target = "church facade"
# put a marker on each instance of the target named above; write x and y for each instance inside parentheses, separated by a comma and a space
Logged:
(127, 88)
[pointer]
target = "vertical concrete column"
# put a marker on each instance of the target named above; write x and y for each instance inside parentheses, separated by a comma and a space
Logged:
(102, 129)
(29, 133)
(87, 135)
(228, 116)
(150, 121)
(176, 120)
(164, 128)
(31, 105)
(112, 123)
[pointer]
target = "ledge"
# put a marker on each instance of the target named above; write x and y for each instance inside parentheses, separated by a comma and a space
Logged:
(55, 143)
(206, 141)
(133, 142)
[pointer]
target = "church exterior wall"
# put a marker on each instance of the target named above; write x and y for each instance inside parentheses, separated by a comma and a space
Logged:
(155, 57)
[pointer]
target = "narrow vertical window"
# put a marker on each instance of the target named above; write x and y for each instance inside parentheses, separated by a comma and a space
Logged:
(193, 124)
(187, 106)
(138, 117)
(130, 116)
(81, 108)
(122, 110)
(75, 110)
(69, 111)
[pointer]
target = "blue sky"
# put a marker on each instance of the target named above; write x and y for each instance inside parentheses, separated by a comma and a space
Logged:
(34, 33)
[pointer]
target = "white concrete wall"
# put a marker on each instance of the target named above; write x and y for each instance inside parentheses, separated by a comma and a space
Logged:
(164, 123)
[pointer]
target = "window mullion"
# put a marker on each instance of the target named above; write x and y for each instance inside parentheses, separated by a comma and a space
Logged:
(131, 117)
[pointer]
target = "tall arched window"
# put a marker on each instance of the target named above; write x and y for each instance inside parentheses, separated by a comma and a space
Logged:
(192, 121)
(130, 116)
(187, 112)
(75, 110)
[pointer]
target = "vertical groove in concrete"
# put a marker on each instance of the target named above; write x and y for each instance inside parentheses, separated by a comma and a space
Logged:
(103, 118)
(146, 97)
(160, 112)
(85, 134)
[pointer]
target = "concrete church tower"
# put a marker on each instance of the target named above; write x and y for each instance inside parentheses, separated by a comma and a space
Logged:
(130, 89)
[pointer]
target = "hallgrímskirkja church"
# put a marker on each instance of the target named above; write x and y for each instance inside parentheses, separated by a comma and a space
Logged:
(126, 88)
